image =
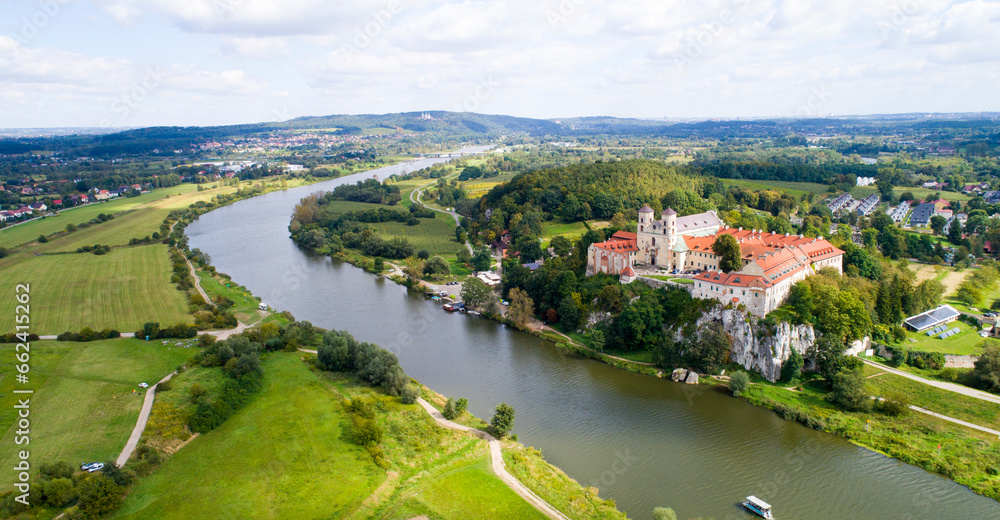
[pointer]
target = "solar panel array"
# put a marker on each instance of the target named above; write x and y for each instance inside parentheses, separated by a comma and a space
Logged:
(950, 333)
(939, 329)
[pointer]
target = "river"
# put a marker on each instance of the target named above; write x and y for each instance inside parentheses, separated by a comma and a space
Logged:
(644, 442)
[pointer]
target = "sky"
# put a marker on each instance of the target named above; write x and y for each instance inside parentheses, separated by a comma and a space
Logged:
(129, 63)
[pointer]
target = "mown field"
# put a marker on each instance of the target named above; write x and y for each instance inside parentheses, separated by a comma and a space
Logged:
(288, 455)
(975, 411)
(437, 236)
(16, 235)
(121, 290)
(795, 189)
(83, 407)
(964, 343)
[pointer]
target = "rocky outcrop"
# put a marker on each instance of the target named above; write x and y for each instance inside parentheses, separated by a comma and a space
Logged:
(683, 375)
(951, 361)
(756, 346)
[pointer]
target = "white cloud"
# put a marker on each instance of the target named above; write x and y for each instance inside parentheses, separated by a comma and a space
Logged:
(544, 58)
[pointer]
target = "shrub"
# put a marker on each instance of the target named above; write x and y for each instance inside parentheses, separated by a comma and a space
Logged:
(849, 391)
(664, 513)
(792, 367)
(58, 492)
(738, 383)
(461, 406)
(409, 394)
(449, 410)
(100, 495)
(894, 403)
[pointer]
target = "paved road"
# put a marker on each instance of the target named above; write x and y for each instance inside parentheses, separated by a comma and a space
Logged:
(496, 454)
(140, 424)
(951, 387)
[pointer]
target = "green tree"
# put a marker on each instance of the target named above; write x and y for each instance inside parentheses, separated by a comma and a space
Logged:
(502, 421)
(894, 403)
(711, 349)
(937, 224)
(955, 233)
(569, 313)
(738, 383)
(521, 309)
(58, 492)
(99, 495)
(461, 406)
(475, 293)
(792, 367)
(437, 266)
(728, 250)
(561, 245)
(482, 260)
(986, 373)
(849, 391)
(379, 265)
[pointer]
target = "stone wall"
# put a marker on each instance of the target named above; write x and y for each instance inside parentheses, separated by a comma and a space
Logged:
(755, 346)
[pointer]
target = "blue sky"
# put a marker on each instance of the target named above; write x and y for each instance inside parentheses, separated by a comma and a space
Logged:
(204, 62)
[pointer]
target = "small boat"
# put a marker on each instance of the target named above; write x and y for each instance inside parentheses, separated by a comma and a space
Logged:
(758, 506)
(448, 307)
(436, 298)
(473, 313)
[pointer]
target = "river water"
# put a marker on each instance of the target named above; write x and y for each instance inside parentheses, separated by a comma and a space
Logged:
(644, 442)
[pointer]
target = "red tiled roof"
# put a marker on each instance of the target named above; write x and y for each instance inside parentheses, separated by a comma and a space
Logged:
(627, 271)
(618, 246)
(624, 235)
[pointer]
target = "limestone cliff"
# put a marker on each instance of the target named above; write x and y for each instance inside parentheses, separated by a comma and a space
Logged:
(757, 346)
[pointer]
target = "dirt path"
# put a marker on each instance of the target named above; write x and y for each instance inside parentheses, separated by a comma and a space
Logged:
(539, 326)
(140, 424)
(954, 420)
(197, 283)
(416, 200)
(951, 387)
(496, 455)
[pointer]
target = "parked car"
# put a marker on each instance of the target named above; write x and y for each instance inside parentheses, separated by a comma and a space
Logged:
(92, 467)
(143, 385)
(87, 465)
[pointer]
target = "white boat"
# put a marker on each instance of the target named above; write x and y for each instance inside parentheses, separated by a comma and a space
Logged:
(758, 506)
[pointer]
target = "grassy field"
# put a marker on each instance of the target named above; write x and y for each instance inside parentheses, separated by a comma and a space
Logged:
(437, 236)
(23, 233)
(83, 407)
(934, 399)
(121, 290)
(288, 455)
(479, 187)
(923, 193)
(282, 456)
(795, 189)
(246, 309)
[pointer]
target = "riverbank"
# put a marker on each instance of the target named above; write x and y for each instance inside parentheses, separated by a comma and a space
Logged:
(967, 456)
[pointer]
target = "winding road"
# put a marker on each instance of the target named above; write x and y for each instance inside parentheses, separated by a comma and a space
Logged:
(140, 424)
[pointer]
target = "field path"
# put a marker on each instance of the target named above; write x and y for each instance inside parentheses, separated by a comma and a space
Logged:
(197, 282)
(419, 192)
(951, 387)
(140, 424)
(954, 420)
(496, 454)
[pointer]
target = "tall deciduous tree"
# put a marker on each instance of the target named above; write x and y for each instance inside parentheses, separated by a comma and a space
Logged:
(522, 308)
(475, 293)
(728, 251)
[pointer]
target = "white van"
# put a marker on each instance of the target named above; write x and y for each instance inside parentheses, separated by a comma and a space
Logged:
(262, 306)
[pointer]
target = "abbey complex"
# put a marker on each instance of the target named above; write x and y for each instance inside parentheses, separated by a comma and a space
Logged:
(772, 262)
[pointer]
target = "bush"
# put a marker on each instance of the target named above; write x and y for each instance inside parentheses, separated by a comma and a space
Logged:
(461, 406)
(367, 432)
(409, 394)
(849, 391)
(99, 495)
(792, 367)
(449, 410)
(738, 383)
(58, 492)
(894, 403)
(664, 513)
